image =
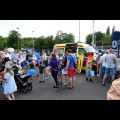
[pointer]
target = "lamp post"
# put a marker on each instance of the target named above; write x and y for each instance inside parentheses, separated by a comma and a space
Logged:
(79, 30)
(93, 43)
(33, 39)
(18, 38)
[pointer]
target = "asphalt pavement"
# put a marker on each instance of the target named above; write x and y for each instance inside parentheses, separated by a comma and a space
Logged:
(84, 90)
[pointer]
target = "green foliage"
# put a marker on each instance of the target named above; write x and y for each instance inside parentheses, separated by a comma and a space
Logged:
(101, 39)
(64, 38)
(113, 29)
(89, 39)
(13, 39)
(108, 30)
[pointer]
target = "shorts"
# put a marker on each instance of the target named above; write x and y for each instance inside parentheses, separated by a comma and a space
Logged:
(71, 72)
(41, 74)
(110, 71)
(88, 73)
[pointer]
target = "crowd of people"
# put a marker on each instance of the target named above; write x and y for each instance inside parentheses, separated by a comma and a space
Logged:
(57, 66)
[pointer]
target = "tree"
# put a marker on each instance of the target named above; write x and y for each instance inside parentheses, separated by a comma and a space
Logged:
(1, 42)
(13, 39)
(49, 42)
(108, 31)
(64, 38)
(113, 29)
(89, 39)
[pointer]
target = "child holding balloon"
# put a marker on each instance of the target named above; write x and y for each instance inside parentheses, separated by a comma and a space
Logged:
(31, 66)
(41, 71)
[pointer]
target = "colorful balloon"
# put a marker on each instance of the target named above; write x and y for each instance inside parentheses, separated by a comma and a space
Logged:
(31, 72)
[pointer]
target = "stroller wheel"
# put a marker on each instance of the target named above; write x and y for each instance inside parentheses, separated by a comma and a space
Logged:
(30, 87)
(24, 90)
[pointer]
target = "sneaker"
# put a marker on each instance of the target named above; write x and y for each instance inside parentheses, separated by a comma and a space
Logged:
(103, 84)
(60, 83)
(43, 81)
(90, 79)
(55, 86)
(40, 81)
(65, 84)
(98, 75)
(86, 79)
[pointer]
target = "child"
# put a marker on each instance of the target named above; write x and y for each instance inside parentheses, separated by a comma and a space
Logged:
(9, 84)
(60, 62)
(41, 71)
(88, 70)
(20, 70)
(31, 66)
(37, 70)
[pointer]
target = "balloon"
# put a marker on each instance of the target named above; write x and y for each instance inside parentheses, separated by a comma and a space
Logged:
(41, 61)
(11, 50)
(31, 72)
(30, 59)
(38, 58)
(37, 55)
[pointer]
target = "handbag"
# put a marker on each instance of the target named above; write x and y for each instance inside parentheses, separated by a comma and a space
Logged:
(75, 65)
(92, 73)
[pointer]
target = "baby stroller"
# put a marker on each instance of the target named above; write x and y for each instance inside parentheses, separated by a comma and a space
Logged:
(22, 81)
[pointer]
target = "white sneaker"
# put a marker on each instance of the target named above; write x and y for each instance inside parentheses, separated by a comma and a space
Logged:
(98, 75)
(65, 84)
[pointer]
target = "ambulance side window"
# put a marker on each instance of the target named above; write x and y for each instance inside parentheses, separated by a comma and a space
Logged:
(81, 51)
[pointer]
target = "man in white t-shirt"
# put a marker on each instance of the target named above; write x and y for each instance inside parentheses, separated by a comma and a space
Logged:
(110, 66)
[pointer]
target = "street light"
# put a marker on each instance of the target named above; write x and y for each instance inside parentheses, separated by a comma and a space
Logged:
(93, 43)
(18, 38)
(33, 39)
(79, 30)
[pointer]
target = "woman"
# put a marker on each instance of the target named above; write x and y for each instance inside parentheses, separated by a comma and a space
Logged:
(64, 65)
(45, 61)
(54, 69)
(3, 60)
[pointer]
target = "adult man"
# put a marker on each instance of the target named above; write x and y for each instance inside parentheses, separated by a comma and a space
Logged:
(71, 61)
(110, 66)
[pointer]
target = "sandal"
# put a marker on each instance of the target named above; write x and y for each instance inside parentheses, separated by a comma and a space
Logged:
(69, 87)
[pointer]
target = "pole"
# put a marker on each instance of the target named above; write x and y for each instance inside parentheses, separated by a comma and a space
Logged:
(79, 30)
(93, 35)
(18, 38)
(95, 40)
(33, 39)
(118, 51)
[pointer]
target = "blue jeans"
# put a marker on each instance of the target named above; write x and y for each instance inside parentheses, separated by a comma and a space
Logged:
(110, 71)
(102, 71)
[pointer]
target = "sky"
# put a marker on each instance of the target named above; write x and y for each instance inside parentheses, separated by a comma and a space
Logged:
(50, 27)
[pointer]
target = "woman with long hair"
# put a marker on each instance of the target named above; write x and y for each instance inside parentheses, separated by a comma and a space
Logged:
(54, 69)
(45, 61)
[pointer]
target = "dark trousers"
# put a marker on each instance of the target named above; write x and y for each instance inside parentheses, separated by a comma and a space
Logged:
(54, 75)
